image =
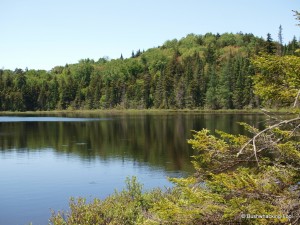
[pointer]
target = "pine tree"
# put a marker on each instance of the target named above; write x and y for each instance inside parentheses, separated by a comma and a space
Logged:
(168, 85)
(147, 90)
(280, 40)
(249, 98)
(138, 53)
(172, 73)
(292, 46)
(270, 46)
(211, 93)
(237, 94)
(210, 54)
(225, 88)
(184, 97)
(159, 91)
(198, 84)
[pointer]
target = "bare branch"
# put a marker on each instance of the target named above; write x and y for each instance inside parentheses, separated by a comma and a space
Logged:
(296, 99)
(268, 114)
(254, 150)
(263, 131)
(294, 130)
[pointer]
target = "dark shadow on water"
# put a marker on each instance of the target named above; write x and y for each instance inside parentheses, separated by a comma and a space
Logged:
(160, 140)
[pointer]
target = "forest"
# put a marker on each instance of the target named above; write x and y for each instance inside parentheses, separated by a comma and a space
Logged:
(211, 71)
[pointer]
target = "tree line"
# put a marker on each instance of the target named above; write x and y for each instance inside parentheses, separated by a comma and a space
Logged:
(210, 71)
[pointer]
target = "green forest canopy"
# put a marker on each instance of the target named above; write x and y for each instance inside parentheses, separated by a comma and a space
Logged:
(210, 71)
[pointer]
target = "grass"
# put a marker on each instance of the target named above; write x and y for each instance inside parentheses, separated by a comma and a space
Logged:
(95, 112)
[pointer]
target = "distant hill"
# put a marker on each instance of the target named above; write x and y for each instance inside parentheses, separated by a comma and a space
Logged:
(210, 71)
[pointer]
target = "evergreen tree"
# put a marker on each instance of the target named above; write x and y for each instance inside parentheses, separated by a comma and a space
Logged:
(147, 90)
(138, 53)
(270, 46)
(292, 47)
(198, 84)
(280, 41)
(240, 71)
(53, 94)
(210, 54)
(18, 100)
(249, 97)
(181, 95)
(184, 96)
(68, 90)
(226, 85)
(168, 83)
(211, 93)
(159, 91)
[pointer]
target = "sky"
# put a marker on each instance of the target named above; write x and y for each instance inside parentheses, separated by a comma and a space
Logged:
(42, 34)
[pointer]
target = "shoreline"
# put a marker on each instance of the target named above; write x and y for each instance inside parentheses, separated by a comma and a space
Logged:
(153, 111)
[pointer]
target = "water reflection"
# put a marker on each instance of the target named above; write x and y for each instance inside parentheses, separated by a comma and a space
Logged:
(159, 140)
(7, 119)
(45, 161)
(33, 182)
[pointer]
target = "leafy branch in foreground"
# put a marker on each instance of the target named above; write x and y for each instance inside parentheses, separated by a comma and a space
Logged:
(277, 80)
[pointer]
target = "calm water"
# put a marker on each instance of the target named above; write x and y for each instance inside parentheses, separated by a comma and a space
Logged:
(46, 160)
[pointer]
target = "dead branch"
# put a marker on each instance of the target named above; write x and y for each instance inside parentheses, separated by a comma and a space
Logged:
(253, 140)
(296, 99)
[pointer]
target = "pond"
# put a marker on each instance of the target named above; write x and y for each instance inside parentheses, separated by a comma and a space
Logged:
(45, 160)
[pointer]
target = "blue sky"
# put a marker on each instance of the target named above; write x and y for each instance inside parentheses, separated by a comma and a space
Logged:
(41, 34)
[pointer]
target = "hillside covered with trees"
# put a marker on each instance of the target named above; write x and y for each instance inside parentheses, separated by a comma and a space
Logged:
(210, 71)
